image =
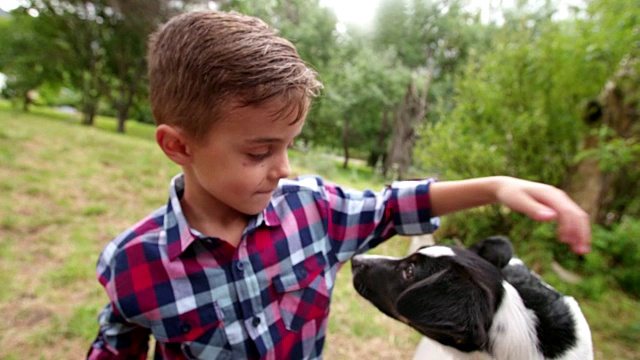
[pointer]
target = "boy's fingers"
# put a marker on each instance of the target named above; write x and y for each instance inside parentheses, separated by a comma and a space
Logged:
(573, 223)
(525, 204)
(575, 230)
(549, 204)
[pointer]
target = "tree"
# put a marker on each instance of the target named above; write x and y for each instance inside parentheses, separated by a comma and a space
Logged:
(518, 108)
(74, 27)
(604, 179)
(125, 28)
(431, 38)
(124, 38)
(20, 47)
(96, 47)
(310, 26)
(363, 91)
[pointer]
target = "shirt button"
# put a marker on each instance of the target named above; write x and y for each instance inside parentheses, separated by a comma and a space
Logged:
(255, 322)
(185, 328)
(240, 266)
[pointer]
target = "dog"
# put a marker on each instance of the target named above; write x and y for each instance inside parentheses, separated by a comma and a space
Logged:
(475, 303)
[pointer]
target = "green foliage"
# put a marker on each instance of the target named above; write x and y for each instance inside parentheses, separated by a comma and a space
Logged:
(96, 49)
(310, 26)
(518, 107)
(620, 252)
(613, 153)
(423, 30)
(357, 94)
(21, 57)
(75, 170)
(517, 111)
(513, 116)
(614, 261)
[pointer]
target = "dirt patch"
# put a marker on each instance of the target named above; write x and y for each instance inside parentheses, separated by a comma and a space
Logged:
(342, 348)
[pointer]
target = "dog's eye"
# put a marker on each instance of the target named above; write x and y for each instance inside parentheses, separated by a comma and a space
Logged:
(407, 272)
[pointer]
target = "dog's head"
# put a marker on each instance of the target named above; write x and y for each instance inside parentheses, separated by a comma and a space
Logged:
(447, 293)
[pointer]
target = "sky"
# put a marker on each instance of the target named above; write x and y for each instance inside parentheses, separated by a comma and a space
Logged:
(7, 5)
(358, 12)
(361, 12)
(348, 11)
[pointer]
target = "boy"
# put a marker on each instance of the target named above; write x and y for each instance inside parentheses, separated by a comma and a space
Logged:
(241, 262)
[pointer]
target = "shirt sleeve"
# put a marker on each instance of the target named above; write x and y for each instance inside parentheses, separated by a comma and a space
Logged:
(358, 221)
(118, 339)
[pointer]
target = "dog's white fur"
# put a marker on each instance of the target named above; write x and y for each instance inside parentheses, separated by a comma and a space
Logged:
(429, 349)
(584, 347)
(517, 339)
(437, 251)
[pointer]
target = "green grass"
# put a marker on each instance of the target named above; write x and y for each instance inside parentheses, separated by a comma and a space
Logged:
(67, 190)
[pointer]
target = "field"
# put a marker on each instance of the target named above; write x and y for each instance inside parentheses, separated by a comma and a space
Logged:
(67, 190)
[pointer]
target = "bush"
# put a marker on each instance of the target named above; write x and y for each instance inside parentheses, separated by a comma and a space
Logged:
(620, 250)
(613, 262)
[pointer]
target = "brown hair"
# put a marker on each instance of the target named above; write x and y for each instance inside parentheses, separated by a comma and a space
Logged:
(201, 60)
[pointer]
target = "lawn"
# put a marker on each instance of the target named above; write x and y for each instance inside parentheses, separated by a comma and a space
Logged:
(68, 190)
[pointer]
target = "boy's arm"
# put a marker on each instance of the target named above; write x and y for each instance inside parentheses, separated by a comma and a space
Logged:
(118, 339)
(538, 201)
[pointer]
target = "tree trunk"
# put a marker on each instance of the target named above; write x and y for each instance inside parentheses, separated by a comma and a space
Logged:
(408, 115)
(605, 193)
(89, 111)
(122, 118)
(379, 150)
(27, 100)
(345, 143)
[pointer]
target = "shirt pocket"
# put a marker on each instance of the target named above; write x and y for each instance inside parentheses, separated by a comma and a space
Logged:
(196, 334)
(303, 293)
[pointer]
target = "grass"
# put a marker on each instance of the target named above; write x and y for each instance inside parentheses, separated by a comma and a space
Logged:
(68, 190)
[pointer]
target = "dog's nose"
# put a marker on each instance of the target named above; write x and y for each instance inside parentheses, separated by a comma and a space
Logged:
(357, 262)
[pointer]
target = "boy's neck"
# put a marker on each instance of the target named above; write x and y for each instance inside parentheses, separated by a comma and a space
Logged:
(210, 217)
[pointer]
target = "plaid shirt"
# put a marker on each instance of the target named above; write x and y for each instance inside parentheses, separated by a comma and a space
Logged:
(202, 298)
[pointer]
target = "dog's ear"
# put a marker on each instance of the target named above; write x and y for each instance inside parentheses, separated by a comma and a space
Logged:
(496, 250)
(449, 308)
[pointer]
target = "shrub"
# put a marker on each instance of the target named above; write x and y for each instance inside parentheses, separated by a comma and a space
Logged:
(613, 262)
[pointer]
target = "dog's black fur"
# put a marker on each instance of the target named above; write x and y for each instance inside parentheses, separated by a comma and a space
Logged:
(460, 298)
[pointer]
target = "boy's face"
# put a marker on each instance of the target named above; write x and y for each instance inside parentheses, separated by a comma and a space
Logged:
(239, 163)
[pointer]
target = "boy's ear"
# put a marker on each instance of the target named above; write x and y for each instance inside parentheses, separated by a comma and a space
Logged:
(173, 143)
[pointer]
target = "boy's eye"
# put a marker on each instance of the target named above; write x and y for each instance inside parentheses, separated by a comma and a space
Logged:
(259, 152)
(260, 156)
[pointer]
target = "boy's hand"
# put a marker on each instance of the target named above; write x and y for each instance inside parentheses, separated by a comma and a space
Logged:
(539, 201)
(546, 203)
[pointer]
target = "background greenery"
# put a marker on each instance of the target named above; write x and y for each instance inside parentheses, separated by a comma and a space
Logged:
(68, 190)
(504, 96)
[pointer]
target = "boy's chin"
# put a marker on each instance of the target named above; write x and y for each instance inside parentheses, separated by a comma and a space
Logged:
(257, 207)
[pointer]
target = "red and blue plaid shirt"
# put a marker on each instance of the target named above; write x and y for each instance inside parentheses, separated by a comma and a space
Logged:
(268, 298)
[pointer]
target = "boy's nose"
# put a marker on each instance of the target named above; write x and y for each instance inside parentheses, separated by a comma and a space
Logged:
(281, 168)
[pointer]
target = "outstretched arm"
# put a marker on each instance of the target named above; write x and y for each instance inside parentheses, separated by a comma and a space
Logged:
(540, 202)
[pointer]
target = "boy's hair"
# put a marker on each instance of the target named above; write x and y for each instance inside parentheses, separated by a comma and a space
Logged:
(202, 63)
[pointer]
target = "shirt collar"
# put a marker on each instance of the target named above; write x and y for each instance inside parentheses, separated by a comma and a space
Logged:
(268, 216)
(179, 235)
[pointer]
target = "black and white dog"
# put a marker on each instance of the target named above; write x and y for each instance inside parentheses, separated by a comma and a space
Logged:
(480, 303)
